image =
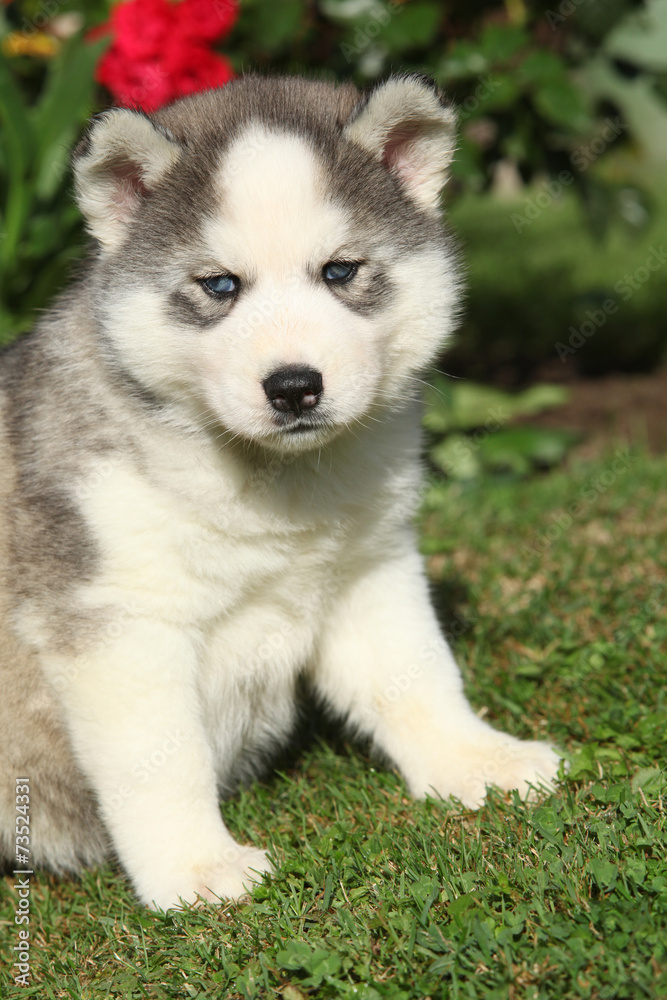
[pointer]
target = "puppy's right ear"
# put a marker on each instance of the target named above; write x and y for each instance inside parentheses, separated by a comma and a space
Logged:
(116, 165)
(406, 125)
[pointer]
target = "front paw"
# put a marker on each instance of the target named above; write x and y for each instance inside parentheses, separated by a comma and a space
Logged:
(230, 877)
(503, 761)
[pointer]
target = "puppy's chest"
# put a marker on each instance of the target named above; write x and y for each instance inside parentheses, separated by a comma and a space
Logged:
(202, 555)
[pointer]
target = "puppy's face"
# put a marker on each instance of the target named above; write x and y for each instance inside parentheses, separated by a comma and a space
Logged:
(281, 282)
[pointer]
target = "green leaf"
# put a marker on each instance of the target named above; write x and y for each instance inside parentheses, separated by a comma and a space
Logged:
(291, 992)
(499, 42)
(642, 108)
(65, 104)
(561, 102)
(463, 60)
(518, 447)
(471, 405)
(636, 870)
(458, 907)
(19, 146)
(455, 456)
(276, 25)
(649, 779)
(424, 887)
(541, 66)
(641, 38)
(483, 933)
(590, 760)
(604, 872)
(540, 397)
(323, 964)
(548, 824)
(437, 940)
(319, 962)
(297, 955)
(498, 91)
(14, 115)
(504, 452)
(411, 26)
(468, 405)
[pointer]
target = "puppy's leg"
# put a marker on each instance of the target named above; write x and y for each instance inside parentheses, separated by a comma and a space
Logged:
(135, 723)
(384, 664)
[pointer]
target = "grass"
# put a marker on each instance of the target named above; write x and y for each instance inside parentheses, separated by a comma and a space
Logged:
(561, 630)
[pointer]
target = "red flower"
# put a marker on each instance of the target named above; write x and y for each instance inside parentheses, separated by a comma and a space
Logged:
(161, 50)
(206, 20)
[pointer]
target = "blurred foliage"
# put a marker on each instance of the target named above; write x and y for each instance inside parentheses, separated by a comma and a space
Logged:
(472, 431)
(562, 93)
(41, 230)
(536, 298)
(525, 79)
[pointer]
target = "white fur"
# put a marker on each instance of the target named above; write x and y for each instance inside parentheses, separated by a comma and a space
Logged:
(231, 565)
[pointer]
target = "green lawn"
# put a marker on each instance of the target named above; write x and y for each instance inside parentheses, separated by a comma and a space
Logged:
(561, 631)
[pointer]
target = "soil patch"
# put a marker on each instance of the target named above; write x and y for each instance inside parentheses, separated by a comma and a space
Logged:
(609, 410)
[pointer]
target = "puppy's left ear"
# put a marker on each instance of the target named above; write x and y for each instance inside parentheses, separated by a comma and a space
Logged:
(406, 125)
(117, 165)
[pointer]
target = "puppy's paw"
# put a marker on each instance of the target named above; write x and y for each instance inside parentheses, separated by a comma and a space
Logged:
(230, 877)
(533, 765)
(502, 761)
(234, 879)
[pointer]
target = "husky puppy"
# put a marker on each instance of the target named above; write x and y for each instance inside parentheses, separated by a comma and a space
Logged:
(210, 461)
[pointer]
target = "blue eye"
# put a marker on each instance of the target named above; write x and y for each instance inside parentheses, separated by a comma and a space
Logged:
(221, 285)
(339, 271)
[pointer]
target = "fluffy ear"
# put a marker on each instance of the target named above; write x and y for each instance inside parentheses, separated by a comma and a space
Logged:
(406, 125)
(116, 165)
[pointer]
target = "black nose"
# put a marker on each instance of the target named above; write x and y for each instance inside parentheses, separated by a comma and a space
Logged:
(293, 388)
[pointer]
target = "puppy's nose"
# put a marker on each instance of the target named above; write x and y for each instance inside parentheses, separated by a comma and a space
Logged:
(293, 388)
